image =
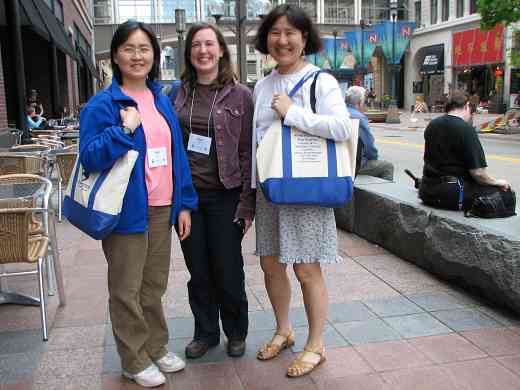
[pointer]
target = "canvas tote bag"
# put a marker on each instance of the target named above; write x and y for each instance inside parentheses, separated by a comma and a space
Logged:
(298, 168)
(93, 202)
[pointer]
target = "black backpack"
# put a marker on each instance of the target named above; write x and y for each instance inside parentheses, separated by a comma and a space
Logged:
(499, 204)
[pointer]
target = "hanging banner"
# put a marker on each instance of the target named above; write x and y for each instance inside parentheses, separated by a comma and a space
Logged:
(362, 44)
(336, 58)
(395, 39)
(476, 47)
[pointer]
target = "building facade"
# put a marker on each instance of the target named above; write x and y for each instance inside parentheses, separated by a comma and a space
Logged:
(54, 55)
(448, 51)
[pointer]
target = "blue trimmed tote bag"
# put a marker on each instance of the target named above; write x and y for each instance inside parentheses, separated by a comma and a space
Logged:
(298, 168)
(93, 202)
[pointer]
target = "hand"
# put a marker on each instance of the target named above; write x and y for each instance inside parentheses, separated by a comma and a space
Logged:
(184, 221)
(130, 118)
(281, 104)
(247, 224)
(503, 185)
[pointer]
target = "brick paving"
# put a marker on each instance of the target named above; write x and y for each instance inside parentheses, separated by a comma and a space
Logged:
(391, 325)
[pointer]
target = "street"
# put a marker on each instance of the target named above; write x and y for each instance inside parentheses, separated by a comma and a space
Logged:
(404, 148)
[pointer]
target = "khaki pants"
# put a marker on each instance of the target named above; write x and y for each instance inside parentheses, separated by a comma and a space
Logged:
(138, 268)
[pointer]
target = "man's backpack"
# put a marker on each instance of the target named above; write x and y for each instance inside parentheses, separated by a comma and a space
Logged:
(499, 204)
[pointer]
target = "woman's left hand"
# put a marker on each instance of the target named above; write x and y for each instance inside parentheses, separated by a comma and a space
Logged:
(281, 104)
(184, 221)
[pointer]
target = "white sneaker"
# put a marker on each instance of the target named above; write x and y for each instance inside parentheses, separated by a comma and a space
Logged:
(170, 363)
(149, 377)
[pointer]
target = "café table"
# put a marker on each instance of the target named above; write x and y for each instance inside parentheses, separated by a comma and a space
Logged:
(19, 195)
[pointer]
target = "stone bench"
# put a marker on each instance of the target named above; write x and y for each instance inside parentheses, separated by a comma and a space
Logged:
(482, 255)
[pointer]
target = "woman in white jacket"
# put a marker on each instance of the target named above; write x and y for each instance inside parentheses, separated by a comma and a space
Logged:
(301, 236)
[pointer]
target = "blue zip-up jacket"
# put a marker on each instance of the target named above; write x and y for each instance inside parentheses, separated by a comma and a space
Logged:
(369, 150)
(103, 141)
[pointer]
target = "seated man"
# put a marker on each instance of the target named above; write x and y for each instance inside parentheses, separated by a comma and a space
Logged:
(455, 171)
(33, 121)
(370, 165)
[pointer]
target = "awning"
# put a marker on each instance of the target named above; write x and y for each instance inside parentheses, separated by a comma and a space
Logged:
(40, 14)
(433, 62)
(476, 47)
(88, 62)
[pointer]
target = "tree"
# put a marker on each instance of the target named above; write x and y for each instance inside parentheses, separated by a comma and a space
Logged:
(493, 12)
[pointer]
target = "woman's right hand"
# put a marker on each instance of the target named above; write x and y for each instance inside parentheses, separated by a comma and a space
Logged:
(130, 118)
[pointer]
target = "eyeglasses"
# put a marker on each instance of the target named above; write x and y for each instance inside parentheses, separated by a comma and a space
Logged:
(130, 51)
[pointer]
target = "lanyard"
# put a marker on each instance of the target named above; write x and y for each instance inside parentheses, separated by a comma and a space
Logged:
(210, 111)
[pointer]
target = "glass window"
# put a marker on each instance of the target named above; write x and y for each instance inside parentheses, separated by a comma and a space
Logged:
(251, 68)
(49, 3)
(445, 10)
(472, 6)
(375, 10)
(168, 7)
(433, 11)
(339, 11)
(460, 8)
(102, 12)
(418, 15)
(308, 5)
(58, 10)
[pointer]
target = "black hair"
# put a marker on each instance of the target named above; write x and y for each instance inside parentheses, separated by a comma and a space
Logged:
(225, 69)
(121, 36)
(296, 17)
(457, 100)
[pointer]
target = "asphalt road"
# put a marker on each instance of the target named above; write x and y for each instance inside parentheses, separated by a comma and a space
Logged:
(404, 148)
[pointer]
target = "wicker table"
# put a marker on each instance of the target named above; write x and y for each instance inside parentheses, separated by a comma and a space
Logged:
(15, 195)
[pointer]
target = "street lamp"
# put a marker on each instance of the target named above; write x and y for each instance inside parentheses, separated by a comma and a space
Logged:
(393, 113)
(363, 23)
(217, 11)
(335, 34)
(180, 27)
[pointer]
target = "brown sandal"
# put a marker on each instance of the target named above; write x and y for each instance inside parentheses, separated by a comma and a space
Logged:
(278, 343)
(300, 366)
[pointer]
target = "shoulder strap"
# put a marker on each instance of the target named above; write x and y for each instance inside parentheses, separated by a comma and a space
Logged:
(301, 82)
(313, 91)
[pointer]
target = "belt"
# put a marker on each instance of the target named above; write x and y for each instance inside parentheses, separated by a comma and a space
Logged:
(441, 179)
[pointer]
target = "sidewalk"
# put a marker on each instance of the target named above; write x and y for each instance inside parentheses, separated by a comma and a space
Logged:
(390, 326)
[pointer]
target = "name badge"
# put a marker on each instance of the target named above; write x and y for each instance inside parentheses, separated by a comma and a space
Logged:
(157, 157)
(199, 143)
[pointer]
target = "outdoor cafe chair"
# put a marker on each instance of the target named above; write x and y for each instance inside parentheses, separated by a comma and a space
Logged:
(20, 243)
(21, 163)
(65, 163)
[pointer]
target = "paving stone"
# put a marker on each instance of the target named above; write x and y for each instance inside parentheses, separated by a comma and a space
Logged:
(482, 374)
(468, 319)
(417, 325)
(396, 306)
(354, 382)
(348, 312)
(16, 367)
(434, 302)
(447, 348)
(331, 338)
(181, 327)
(341, 362)
(85, 382)
(371, 331)
(261, 320)
(60, 364)
(392, 355)
(510, 362)
(21, 342)
(495, 341)
(423, 378)
(76, 337)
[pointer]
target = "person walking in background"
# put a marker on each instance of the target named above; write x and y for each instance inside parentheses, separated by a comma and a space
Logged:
(216, 115)
(132, 114)
(370, 165)
(301, 236)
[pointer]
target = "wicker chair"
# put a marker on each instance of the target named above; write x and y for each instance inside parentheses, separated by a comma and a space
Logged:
(65, 163)
(17, 163)
(20, 242)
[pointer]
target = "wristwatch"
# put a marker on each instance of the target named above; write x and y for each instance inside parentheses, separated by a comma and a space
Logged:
(127, 130)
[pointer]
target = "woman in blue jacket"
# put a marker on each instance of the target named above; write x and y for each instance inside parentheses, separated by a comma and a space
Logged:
(132, 114)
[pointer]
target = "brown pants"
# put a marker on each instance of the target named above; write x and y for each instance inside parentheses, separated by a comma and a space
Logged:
(138, 268)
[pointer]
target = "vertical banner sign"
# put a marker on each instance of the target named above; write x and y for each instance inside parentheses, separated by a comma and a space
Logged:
(399, 42)
(335, 58)
(362, 45)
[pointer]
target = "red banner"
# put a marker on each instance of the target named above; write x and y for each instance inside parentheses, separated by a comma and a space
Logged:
(475, 47)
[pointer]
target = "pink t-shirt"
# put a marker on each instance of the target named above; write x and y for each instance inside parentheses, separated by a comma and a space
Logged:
(159, 181)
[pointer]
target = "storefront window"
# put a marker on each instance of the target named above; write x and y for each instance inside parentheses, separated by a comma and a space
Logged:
(418, 14)
(308, 6)
(445, 10)
(460, 8)
(339, 11)
(433, 11)
(472, 6)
